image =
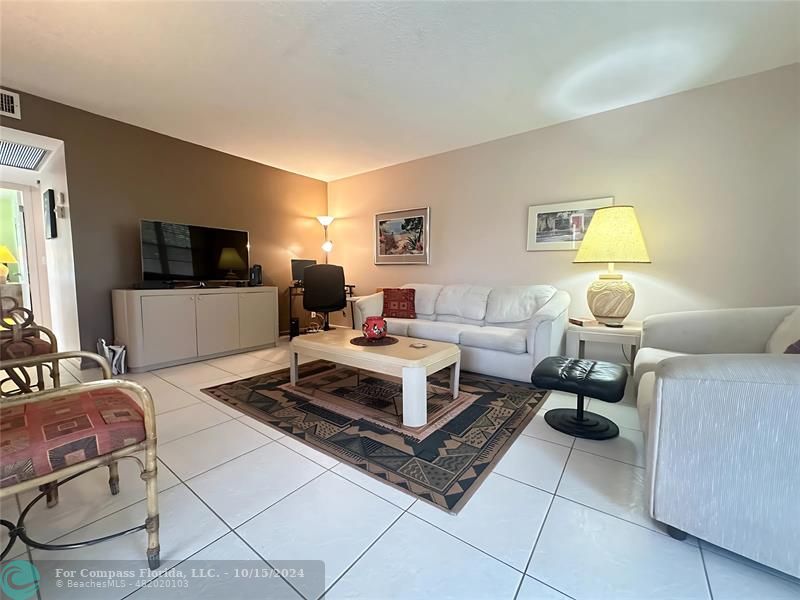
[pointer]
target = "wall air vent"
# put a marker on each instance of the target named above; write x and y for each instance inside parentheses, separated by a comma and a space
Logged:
(21, 156)
(9, 104)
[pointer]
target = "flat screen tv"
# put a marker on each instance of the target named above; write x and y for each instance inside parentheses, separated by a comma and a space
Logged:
(177, 252)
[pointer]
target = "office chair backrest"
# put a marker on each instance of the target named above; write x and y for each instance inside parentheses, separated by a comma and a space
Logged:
(324, 288)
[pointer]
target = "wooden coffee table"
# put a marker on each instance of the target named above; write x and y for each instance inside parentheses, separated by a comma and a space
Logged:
(413, 365)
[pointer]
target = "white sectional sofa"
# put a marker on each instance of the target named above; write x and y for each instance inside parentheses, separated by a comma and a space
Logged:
(502, 331)
(720, 417)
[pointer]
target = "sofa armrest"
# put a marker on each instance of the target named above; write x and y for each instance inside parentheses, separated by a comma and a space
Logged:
(725, 331)
(722, 452)
(547, 328)
(367, 306)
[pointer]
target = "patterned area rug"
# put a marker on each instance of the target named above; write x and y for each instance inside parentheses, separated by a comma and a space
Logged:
(444, 468)
(378, 398)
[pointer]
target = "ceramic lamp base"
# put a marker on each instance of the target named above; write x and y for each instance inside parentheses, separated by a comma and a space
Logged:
(610, 299)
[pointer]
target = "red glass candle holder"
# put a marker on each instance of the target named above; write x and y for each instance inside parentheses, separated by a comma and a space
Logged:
(374, 328)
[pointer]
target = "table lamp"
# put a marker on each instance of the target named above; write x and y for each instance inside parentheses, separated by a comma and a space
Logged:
(230, 259)
(613, 236)
(5, 257)
(327, 245)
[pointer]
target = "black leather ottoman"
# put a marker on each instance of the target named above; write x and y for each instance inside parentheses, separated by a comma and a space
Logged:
(596, 379)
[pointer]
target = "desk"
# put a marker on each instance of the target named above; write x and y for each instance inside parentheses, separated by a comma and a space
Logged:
(297, 290)
(351, 300)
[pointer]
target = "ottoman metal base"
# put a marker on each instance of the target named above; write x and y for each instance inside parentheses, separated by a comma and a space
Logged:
(591, 427)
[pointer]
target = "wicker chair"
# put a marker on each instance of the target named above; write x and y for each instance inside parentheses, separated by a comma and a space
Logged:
(50, 437)
(22, 337)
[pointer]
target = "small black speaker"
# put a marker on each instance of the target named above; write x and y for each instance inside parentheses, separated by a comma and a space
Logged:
(294, 327)
(256, 277)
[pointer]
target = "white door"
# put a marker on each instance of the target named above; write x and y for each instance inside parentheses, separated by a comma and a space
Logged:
(18, 235)
(169, 329)
(217, 323)
(257, 318)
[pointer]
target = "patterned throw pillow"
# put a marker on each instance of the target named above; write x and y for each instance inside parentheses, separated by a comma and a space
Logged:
(793, 348)
(399, 303)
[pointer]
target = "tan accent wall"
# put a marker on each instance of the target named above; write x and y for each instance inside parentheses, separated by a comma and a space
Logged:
(118, 174)
(714, 174)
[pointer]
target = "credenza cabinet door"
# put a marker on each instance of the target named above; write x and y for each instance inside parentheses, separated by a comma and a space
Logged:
(217, 323)
(257, 312)
(168, 328)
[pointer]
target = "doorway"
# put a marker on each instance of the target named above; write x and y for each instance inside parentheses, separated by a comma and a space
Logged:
(40, 259)
(18, 249)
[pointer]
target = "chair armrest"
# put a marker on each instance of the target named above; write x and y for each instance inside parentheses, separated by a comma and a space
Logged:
(757, 369)
(722, 450)
(367, 306)
(725, 331)
(547, 328)
(30, 361)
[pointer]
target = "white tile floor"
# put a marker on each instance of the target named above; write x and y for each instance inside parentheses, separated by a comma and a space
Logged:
(557, 518)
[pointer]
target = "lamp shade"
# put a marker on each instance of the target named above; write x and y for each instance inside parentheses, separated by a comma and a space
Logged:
(229, 258)
(613, 236)
(325, 220)
(6, 256)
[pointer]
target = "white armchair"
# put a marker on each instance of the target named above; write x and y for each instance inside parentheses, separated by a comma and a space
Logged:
(720, 418)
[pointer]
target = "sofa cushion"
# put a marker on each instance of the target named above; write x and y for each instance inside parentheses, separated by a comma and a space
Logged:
(465, 301)
(425, 297)
(47, 436)
(457, 319)
(496, 338)
(437, 330)
(648, 358)
(515, 303)
(399, 303)
(786, 338)
(399, 326)
(644, 399)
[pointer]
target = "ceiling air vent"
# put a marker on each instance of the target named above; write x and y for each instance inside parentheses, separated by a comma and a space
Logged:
(9, 105)
(21, 156)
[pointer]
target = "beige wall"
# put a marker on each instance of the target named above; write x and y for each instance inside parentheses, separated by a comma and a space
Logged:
(713, 174)
(118, 174)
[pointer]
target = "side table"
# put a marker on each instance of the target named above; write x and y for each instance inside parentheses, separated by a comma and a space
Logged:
(630, 334)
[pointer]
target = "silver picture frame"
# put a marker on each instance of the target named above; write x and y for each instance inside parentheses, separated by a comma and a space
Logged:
(561, 226)
(399, 240)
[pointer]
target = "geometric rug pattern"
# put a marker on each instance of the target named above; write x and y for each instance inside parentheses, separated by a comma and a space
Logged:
(445, 468)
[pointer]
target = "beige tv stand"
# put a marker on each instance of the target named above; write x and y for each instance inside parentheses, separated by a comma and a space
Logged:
(162, 328)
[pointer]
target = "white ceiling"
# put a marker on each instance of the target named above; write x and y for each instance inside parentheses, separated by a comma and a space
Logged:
(331, 89)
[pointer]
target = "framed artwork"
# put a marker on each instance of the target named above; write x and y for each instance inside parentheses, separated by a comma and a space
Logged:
(402, 237)
(50, 222)
(561, 226)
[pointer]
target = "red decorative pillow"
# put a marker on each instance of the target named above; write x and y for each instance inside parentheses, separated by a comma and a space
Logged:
(399, 303)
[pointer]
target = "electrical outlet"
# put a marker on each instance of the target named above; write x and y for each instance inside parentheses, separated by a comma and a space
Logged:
(313, 315)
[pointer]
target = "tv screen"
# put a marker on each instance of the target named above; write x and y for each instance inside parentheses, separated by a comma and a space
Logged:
(171, 251)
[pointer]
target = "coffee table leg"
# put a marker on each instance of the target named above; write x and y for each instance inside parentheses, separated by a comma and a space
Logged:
(455, 372)
(293, 358)
(415, 396)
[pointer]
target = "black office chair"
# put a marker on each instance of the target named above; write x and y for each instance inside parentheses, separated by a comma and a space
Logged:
(324, 290)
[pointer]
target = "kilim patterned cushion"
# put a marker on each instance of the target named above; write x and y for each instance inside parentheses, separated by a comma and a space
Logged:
(399, 303)
(36, 439)
(27, 346)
